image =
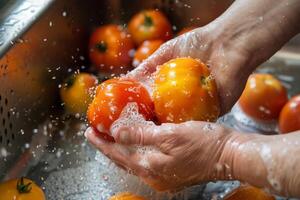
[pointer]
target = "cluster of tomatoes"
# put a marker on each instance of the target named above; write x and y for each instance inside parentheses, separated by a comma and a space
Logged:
(175, 98)
(114, 50)
(265, 99)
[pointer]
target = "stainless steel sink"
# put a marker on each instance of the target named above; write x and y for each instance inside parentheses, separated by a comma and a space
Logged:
(43, 41)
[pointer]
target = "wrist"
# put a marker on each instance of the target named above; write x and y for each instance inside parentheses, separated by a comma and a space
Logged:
(232, 156)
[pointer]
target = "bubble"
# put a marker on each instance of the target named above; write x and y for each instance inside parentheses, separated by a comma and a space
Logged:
(129, 117)
(266, 155)
(3, 152)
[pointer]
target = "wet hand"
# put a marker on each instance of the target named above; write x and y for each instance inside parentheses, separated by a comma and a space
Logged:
(171, 156)
(207, 44)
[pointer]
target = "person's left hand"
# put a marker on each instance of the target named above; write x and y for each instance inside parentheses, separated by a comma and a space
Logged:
(172, 156)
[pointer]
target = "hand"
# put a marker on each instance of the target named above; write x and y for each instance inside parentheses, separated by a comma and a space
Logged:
(225, 61)
(233, 45)
(172, 156)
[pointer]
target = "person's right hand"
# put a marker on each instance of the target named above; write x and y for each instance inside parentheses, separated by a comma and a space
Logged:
(233, 45)
(224, 60)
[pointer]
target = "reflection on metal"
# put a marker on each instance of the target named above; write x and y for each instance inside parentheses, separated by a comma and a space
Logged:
(16, 17)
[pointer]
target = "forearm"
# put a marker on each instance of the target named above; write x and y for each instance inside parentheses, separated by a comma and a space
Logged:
(259, 27)
(270, 162)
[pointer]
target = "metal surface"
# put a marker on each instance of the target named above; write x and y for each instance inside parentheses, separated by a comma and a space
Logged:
(16, 17)
(36, 138)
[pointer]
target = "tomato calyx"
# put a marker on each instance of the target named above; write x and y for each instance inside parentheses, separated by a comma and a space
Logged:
(70, 81)
(22, 187)
(101, 46)
(148, 22)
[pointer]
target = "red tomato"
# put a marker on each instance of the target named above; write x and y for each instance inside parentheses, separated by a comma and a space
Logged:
(289, 119)
(145, 50)
(263, 97)
(149, 25)
(111, 97)
(109, 49)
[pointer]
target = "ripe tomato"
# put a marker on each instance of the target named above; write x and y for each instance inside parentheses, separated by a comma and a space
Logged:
(111, 97)
(77, 92)
(21, 189)
(289, 119)
(126, 196)
(263, 97)
(185, 30)
(149, 25)
(145, 50)
(248, 193)
(184, 90)
(109, 49)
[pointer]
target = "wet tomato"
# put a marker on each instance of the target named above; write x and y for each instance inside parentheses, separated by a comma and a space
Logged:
(185, 30)
(145, 50)
(289, 119)
(248, 193)
(184, 90)
(126, 196)
(77, 92)
(111, 97)
(21, 189)
(109, 49)
(263, 97)
(149, 25)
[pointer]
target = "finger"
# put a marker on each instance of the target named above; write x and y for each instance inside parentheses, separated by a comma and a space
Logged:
(137, 135)
(122, 156)
(111, 150)
(148, 66)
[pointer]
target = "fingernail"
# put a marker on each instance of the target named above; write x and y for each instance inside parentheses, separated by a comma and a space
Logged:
(88, 131)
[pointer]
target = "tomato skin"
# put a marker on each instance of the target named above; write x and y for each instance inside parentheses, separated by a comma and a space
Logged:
(111, 97)
(184, 90)
(263, 97)
(149, 25)
(289, 119)
(248, 193)
(109, 49)
(126, 196)
(147, 48)
(9, 191)
(77, 92)
(185, 30)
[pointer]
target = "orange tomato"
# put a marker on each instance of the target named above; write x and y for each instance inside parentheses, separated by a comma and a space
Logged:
(184, 90)
(185, 30)
(289, 119)
(77, 92)
(111, 97)
(149, 25)
(126, 196)
(21, 189)
(248, 193)
(145, 50)
(109, 49)
(263, 97)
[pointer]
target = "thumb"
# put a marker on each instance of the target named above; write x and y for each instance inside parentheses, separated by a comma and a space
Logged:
(136, 135)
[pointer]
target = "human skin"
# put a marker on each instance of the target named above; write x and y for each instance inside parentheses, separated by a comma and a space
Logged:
(233, 45)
